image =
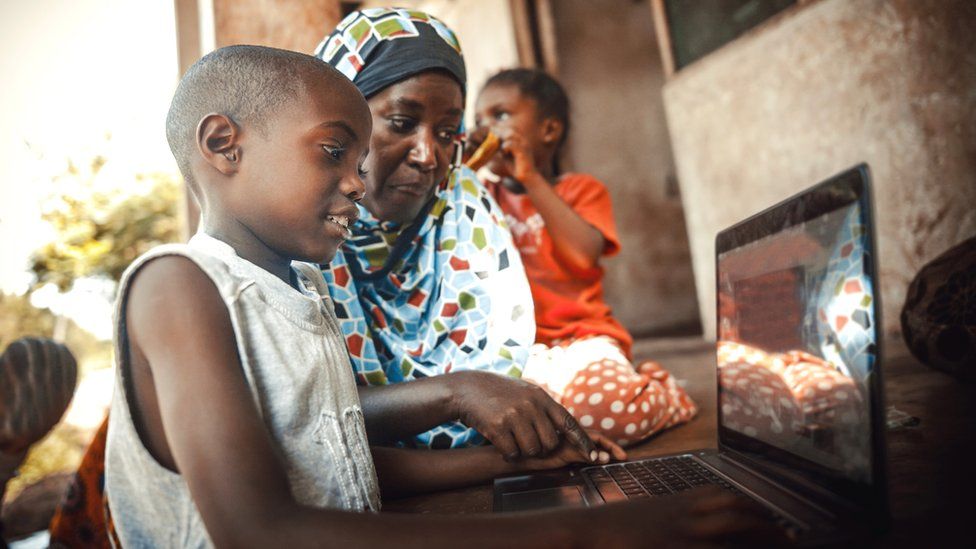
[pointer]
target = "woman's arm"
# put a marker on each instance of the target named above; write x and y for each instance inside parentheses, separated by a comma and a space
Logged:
(519, 418)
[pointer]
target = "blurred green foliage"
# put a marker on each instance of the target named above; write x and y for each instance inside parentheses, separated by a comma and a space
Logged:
(98, 233)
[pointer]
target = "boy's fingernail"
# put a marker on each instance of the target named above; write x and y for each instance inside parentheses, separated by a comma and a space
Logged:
(604, 456)
(594, 455)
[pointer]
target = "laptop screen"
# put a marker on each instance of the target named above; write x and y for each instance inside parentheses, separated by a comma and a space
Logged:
(797, 341)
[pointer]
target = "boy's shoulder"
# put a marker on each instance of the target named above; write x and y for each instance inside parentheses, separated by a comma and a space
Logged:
(218, 269)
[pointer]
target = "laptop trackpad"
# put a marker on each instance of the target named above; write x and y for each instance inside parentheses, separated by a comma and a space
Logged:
(564, 496)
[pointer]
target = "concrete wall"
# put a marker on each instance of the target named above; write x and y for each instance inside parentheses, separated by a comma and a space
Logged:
(611, 68)
(484, 28)
(297, 26)
(816, 90)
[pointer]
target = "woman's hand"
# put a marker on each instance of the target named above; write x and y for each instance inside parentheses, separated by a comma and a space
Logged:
(519, 418)
(567, 454)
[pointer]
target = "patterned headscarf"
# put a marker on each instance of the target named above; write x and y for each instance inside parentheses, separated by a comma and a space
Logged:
(378, 47)
(446, 292)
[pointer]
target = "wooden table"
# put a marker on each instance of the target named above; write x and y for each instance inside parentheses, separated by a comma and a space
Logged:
(932, 483)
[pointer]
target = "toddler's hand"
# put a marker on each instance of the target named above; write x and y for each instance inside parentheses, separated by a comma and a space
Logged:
(518, 154)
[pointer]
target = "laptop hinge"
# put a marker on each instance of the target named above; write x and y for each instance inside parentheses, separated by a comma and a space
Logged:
(802, 489)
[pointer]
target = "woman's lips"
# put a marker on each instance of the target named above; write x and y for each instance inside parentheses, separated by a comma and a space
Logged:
(414, 189)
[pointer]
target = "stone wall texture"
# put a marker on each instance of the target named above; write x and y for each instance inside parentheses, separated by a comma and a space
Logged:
(296, 26)
(610, 64)
(817, 89)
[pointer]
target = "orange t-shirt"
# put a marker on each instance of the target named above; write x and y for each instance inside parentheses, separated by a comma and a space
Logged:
(568, 303)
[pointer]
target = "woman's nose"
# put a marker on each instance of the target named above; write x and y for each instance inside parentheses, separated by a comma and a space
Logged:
(423, 154)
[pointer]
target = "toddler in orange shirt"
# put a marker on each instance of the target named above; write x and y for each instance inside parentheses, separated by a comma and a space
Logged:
(562, 225)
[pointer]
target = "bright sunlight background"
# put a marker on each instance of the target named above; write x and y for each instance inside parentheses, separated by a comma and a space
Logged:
(75, 72)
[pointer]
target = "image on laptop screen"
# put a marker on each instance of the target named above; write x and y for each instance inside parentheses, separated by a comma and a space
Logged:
(796, 330)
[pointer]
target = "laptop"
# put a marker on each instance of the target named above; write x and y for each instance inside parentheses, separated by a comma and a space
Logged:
(800, 404)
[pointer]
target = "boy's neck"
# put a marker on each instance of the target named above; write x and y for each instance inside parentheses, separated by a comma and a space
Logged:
(255, 251)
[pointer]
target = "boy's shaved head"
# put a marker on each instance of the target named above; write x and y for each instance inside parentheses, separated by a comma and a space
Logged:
(245, 83)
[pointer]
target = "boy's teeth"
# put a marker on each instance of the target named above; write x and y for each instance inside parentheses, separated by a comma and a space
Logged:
(341, 220)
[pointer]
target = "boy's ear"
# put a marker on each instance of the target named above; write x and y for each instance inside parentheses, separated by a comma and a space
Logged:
(218, 142)
(552, 131)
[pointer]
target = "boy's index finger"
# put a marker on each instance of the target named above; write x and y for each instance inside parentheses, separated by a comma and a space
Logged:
(575, 434)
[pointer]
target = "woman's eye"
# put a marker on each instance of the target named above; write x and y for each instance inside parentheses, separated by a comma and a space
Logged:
(447, 135)
(362, 172)
(402, 125)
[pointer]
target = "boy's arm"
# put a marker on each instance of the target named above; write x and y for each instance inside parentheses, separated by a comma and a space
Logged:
(178, 322)
(404, 472)
(211, 427)
(577, 243)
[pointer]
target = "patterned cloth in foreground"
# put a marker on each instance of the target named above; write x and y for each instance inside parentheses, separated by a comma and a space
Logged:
(80, 520)
(446, 293)
(593, 379)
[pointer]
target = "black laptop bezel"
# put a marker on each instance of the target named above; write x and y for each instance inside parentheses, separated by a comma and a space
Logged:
(869, 500)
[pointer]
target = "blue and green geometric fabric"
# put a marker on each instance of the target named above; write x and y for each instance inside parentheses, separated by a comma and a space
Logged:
(447, 295)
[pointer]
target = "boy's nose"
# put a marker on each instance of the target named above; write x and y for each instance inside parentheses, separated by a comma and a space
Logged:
(354, 188)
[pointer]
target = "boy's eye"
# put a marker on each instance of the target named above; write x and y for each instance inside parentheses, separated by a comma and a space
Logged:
(501, 115)
(362, 171)
(335, 152)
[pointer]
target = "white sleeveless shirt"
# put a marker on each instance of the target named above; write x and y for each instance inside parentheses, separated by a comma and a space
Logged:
(296, 364)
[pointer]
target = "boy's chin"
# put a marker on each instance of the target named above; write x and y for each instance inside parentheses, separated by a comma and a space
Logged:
(321, 256)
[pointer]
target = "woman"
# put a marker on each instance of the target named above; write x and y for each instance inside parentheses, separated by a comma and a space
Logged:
(430, 281)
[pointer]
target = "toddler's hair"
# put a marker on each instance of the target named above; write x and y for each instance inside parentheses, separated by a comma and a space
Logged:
(546, 91)
(245, 83)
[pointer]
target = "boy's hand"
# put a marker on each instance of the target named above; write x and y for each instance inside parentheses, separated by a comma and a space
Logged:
(567, 454)
(704, 517)
(519, 418)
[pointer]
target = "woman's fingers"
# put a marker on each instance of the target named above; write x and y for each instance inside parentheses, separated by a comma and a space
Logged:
(527, 439)
(505, 444)
(611, 447)
(575, 435)
(548, 436)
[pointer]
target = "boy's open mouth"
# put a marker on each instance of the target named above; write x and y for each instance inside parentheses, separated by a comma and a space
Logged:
(340, 219)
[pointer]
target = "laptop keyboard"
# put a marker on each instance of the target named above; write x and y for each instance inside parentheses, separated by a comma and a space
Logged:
(657, 477)
(663, 476)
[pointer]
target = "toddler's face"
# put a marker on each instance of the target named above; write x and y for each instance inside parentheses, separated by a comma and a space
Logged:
(415, 124)
(503, 109)
(303, 175)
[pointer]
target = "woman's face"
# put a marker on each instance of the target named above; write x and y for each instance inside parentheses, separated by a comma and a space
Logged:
(415, 122)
